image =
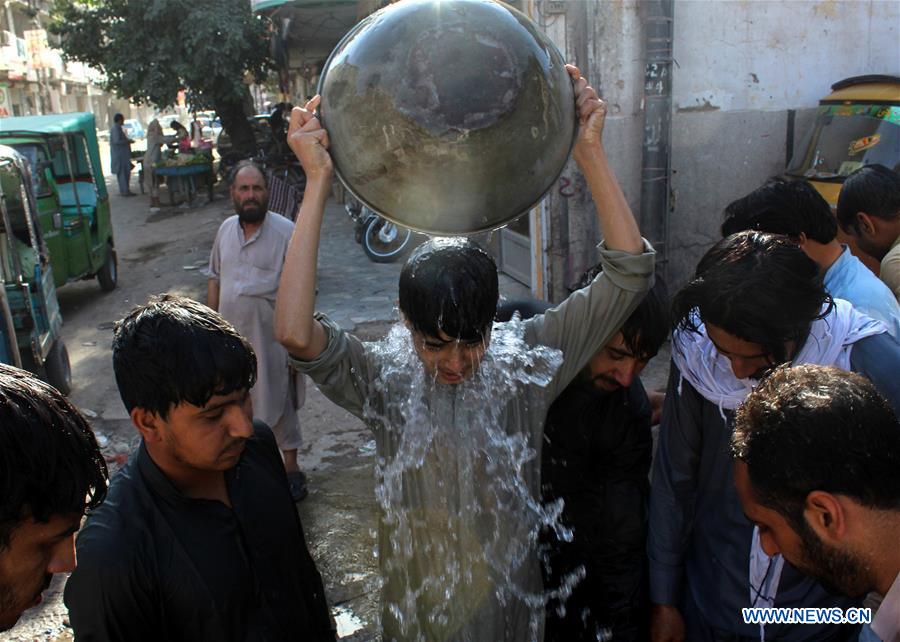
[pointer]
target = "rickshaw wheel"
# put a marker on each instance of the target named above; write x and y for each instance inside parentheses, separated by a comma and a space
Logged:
(58, 369)
(108, 275)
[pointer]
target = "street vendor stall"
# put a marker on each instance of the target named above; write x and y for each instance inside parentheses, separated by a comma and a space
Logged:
(187, 172)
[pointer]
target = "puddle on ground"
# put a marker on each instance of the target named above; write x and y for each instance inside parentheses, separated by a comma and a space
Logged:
(347, 621)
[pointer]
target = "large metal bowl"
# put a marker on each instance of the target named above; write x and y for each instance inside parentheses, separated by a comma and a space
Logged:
(448, 116)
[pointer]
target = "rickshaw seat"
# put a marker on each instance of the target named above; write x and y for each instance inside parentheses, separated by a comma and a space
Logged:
(87, 196)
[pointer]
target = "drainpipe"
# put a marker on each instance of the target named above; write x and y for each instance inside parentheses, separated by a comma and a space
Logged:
(655, 159)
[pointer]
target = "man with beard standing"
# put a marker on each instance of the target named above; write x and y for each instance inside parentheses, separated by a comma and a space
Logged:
(596, 458)
(817, 469)
(244, 270)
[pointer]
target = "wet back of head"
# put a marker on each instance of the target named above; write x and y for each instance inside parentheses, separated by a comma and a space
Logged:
(784, 207)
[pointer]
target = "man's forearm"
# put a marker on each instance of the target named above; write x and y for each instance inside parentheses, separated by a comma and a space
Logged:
(295, 326)
(620, 230)
(212, 294)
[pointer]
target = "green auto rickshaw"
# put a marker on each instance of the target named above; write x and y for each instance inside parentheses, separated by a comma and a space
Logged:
(72, 201)
(30, 321)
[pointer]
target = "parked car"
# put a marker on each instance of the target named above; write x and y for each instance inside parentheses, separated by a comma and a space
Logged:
(30, 321)
(212, 127)
(70, 190)
(133, 129)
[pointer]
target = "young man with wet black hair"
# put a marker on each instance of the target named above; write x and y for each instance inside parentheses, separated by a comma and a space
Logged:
(817, 469)
(797, 210)
(756, 301)
(869, 209)
(200, 539)
(51, 472)
(451, 338)
(458, 424)
(596, 459)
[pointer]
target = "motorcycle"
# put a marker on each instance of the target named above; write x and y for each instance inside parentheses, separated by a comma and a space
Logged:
(382, 241)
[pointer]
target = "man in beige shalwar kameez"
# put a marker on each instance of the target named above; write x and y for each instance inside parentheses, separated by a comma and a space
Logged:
(244, 270)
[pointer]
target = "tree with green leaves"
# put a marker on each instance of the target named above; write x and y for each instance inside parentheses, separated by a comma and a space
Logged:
(149, 50)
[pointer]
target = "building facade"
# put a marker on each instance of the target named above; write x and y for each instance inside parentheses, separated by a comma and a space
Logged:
(34, 78)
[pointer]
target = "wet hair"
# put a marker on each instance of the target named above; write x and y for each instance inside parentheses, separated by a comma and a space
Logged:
(174, 350)
(647, 327)
(782, 207)
(243, 164)
(813, 427)
(759, 287)
(118, 118)
(873, 189)
(526, 308)
(450, 286)
(50, 463)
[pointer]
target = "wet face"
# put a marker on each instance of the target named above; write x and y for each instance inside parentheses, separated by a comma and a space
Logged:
(840, 571)
(448, 360)
(208, 438)
(614, 367)
(249, 195)
(748, 360)
(36, 551)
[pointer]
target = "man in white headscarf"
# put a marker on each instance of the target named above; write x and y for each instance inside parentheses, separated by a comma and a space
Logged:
(756, 301)
(155, 140)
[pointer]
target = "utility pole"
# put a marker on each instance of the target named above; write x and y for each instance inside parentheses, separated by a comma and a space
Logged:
(655, 161)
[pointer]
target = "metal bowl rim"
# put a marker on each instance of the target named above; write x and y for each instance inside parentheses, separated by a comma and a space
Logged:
(350, 34)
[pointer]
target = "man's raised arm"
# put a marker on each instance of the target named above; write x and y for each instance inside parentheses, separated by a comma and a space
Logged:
(295, 326)
(620, 230)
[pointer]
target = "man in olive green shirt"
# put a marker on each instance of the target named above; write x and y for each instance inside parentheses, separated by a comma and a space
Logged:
(456, 403)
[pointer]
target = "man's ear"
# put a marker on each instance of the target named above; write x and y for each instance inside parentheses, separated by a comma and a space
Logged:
(800, 239)
(866, 224)
(148, 424)
(826, 516)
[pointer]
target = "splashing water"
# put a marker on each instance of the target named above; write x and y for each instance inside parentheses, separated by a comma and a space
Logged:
(457, 483)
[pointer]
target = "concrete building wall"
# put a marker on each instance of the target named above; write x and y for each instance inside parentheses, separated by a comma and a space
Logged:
(769, 56)
(740, 67)
(605, 40)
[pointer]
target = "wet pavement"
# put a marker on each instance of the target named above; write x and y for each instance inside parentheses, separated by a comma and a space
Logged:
(167, 251)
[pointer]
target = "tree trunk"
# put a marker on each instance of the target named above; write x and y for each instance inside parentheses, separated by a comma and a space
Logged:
(234, 121)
